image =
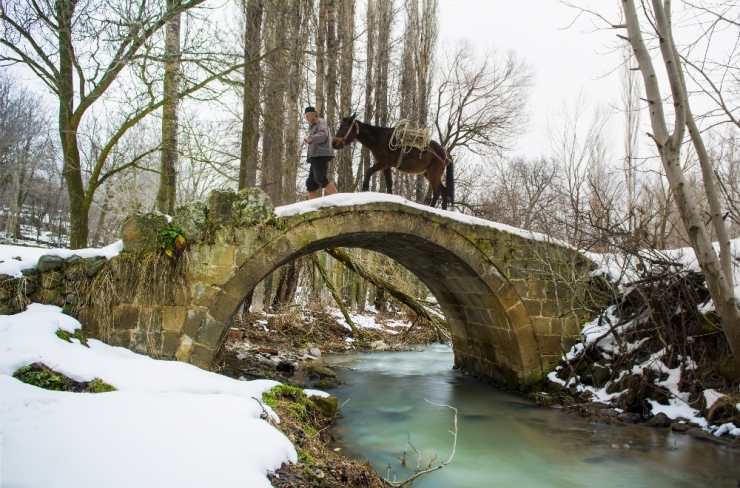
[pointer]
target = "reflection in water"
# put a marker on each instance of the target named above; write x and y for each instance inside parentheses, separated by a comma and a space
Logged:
(503, 440)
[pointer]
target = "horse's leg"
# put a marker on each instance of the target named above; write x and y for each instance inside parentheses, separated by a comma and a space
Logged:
(368, 174)
(388, 180)
(434, 177)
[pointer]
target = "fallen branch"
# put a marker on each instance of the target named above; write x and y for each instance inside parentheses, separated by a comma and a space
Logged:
(337, 298)
(417, 307)
(429, 469)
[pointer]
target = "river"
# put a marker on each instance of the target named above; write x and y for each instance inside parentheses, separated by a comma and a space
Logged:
(503, 440)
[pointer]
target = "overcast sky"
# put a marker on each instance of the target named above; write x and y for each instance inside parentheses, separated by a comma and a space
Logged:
(567, 57)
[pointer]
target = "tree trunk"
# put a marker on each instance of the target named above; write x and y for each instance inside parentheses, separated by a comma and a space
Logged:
(103, 214)
(337, 298)
(384, 22)
(319, 93)
(408, 90)
(345, 178)
(425, 54)
(168, 169)
(296, 35)
(251, 103)
(372, 36)
(68, 123)
(275, 89)
(287, 284)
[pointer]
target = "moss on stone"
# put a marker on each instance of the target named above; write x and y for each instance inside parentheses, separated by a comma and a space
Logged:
(140, 230)
(40, 375)
(77, 334)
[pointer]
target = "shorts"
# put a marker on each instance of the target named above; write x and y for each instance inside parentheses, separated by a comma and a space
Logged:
(317, 174)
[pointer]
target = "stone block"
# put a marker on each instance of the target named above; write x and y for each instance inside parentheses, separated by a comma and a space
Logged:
(30, 273)
(211, 333)
(202, 356)
(125, 317)
(550, 308)
(52, 279)
(193, 319)
(173, 318)
(224, 307)
(534, 307)
(120, 338)
(140, 230)
(170, 343)
(49, 297)
(518, 316)
(239, 286)
(542, 325)
(191, 218)
(93, 265)
(185, 349)
(49, 263)
(220, 205)
(74, 273)
(252, 205)
(139, 341)
(203, 295)
(552, 345)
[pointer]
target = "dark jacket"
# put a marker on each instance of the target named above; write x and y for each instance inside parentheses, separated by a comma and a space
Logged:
(320, 141)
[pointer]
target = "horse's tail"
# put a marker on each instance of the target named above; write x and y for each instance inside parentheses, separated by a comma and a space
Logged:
(450, 183)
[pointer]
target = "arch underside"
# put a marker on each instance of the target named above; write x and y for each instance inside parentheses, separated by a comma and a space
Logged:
(484, 340)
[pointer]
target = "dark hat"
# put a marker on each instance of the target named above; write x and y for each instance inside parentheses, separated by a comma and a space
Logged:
(309, 109)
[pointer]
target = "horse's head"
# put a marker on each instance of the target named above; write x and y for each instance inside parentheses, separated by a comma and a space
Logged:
(346, 133)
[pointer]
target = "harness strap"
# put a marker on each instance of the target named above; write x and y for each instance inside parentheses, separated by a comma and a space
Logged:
(353, 124)
(400, 157)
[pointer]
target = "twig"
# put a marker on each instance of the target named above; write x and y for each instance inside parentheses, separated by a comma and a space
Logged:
(398, 484)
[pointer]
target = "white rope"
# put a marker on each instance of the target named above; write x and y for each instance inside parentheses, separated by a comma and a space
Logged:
(407, 139)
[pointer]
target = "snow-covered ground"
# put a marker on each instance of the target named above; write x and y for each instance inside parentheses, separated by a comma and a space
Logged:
(621, 272)
(168, 423)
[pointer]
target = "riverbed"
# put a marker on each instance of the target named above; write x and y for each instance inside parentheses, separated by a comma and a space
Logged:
(396, 400)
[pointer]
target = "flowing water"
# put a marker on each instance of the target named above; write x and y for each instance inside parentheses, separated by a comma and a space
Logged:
(503, 440)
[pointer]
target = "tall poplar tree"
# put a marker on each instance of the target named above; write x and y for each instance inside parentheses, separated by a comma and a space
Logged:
(171, 86)
(250, 136)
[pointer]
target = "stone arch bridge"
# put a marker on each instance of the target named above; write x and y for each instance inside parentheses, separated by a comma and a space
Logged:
(511, 300)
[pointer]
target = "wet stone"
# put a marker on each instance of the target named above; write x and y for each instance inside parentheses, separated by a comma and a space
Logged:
(286, 366)
(630, 418)
(49, 263)
(92, 266)
(659, 420)
(320, 370)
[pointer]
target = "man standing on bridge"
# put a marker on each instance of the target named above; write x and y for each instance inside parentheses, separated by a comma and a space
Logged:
(320, 153)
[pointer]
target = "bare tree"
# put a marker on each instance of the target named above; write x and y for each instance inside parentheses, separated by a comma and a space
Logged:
(170, 86)
(26, 153)
(631, 94)
(346, 33)
(80, 52)
(719, 279)
(481, 103)
(577, 143)
(276, 65)
(250, 136)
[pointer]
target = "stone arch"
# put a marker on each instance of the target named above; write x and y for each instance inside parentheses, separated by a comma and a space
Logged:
(493, 336)
(512, 298)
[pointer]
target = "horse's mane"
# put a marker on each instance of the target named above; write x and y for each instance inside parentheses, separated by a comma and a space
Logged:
(376, 127)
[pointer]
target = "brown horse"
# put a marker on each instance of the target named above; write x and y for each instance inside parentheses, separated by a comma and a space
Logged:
(432, 162)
